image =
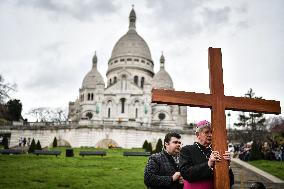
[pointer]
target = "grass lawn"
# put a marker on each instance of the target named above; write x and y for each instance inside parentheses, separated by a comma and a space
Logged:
(275, 168)
(111, 171)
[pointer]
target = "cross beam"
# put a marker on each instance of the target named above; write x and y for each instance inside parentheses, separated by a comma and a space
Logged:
(202, 100)
(218, 103)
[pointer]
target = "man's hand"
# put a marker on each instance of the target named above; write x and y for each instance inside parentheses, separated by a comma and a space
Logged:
(180, 180)
(215, 156)
(176, 176)
(227, 156)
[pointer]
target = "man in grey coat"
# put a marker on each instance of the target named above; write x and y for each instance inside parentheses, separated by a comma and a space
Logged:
(162, 170)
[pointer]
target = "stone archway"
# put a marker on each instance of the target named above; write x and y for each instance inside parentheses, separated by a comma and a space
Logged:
(106, 143)
(62, 143)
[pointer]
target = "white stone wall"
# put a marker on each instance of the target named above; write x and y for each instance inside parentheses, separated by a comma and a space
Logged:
(82, 137)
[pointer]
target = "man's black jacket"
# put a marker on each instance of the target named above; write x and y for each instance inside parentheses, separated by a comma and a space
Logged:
(159, 171)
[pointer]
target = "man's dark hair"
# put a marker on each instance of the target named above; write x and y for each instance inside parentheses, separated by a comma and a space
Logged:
(257, 185)
(169, 136)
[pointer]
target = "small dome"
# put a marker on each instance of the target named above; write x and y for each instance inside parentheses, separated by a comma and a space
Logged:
(162, 79)
(93, 77)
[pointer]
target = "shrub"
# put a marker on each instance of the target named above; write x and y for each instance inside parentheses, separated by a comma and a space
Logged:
(159, 146)
(5, 142)
(145, 145)
(255, 152)
(54, 144)
(38, 146)
(32, 146)
(149, 148)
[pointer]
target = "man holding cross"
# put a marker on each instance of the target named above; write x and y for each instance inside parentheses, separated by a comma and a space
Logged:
(197, 160)
(218, 103)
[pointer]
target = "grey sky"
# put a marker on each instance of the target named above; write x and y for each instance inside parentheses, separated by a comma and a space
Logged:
(47, 46)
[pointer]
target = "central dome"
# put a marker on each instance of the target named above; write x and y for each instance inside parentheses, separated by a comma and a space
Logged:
(131, 44)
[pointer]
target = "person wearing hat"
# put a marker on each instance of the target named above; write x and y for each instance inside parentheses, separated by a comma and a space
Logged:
(197, 160)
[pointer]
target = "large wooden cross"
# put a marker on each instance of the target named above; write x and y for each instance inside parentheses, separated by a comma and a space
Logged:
(218, 103)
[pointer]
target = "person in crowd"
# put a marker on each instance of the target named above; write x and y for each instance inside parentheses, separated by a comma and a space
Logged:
(24, 141)
(162, 171)
(257, 185)
(197, 160)
(20, 141)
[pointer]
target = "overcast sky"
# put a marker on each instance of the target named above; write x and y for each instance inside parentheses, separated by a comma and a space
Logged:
(46, 46)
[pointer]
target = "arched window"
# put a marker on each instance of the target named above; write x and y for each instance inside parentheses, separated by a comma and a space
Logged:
(89, 96)
(162, 116)
(122, 105)
(114, 80)
(92, 96)
(136, 80)
(108, 113)
(123, 82)
(142, 82)
(89, 115)
(136, 113)
(109, 81)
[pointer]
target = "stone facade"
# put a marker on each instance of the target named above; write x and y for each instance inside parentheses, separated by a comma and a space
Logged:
(91, 136)
(126, 98)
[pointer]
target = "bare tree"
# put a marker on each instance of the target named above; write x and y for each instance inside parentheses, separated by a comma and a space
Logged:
(253, 124)
(58, 114)
(274, 121)
(276, 126)
(5, 88)
(49, 114)
(40, 114)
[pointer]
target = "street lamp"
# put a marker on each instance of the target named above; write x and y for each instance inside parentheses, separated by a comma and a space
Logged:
(229, 124)
(229, 115)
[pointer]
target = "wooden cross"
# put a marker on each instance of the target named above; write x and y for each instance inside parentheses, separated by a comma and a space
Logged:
(218, 103)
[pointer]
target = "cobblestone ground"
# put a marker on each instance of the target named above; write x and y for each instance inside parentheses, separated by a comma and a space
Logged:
(245, 177)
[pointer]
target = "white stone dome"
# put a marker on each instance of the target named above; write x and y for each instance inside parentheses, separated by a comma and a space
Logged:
(162, 79)
(93, 77)
(131, 44)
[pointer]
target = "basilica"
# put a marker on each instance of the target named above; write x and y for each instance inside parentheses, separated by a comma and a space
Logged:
(124, 100)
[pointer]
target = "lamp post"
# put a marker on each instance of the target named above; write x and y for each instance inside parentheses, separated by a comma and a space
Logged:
(229, 124)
